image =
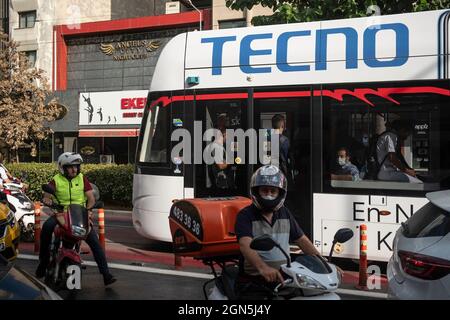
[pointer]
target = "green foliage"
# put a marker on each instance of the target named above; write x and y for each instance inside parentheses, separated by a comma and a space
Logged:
(290, 11)
(114, 181)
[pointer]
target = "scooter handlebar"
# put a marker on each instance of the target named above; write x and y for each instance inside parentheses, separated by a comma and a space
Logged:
(56, 206)
(285, 282)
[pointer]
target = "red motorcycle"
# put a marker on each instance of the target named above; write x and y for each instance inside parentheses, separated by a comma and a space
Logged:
(73, 227)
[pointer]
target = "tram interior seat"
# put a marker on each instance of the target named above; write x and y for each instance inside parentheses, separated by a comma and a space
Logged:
(392, 185)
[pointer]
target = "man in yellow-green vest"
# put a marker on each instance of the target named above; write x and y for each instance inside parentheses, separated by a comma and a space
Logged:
(71, 187)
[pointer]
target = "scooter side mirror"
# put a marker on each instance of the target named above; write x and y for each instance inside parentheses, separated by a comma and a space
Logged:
(266, 243)
(263, 243)
(343, 235)
(48, 189)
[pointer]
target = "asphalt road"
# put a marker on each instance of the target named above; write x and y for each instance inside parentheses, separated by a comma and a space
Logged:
(149, 284)
(144, 268)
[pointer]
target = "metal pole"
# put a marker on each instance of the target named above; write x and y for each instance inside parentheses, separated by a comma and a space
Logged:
(201, 15)
(362, 283)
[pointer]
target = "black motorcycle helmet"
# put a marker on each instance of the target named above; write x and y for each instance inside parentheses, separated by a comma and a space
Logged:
(270, 176)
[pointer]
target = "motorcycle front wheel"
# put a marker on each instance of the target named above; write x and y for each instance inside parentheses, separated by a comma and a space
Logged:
(27, 233)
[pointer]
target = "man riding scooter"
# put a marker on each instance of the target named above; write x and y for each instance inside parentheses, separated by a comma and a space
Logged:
(267, 215)
(71, 187)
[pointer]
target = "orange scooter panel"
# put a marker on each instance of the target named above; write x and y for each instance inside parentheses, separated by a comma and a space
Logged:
(204, 227)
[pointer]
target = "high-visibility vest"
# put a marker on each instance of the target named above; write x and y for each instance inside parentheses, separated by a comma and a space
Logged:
(70, 191)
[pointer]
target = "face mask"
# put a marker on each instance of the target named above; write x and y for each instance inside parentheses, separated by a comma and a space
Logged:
(269, 197)
(365, 141)
(268, 205)
(341, 161)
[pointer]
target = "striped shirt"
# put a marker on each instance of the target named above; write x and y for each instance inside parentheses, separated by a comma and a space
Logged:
(283, 229)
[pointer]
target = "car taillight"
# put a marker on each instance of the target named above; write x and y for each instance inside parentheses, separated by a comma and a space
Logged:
(424, 267)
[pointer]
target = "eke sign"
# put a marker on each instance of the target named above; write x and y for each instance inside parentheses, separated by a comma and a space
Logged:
(321, 37)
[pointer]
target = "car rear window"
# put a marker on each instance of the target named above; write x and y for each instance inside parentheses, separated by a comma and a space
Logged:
(429, 221)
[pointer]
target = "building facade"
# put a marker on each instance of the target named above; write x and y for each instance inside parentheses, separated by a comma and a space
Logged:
(223, 17)
(4, 16)
(99, 57)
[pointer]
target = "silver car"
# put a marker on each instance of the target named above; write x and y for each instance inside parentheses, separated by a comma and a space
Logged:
(17, 284)
(420, 264)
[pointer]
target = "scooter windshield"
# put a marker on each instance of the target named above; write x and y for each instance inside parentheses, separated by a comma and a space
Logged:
(313, 263)
(78, 216)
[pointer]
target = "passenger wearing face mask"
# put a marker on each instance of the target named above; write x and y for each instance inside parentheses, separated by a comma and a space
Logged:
(343, 169)
(267, 215)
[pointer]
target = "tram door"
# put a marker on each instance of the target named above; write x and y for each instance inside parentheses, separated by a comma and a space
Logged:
(296, 112)
(228, 177)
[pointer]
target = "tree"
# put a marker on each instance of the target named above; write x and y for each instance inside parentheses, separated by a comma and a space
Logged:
(290, 11)
(24, 93)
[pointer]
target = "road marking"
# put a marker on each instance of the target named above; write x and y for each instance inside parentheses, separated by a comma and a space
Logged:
(136, 268)
(116, 226)
(198, 275)
(359, 293)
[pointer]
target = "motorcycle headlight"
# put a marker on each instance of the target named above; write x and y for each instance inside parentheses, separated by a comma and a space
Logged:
(309, 283)
(78, 231)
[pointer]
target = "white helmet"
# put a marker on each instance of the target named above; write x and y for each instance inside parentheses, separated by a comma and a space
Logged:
(69, 159)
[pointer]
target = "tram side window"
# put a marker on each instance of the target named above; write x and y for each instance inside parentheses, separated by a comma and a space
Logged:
(397, 140)
(154, 146)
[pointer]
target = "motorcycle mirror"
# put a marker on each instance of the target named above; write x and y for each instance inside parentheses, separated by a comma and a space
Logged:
(96, 192)
(98, 205)
(263, 243)
(48, 189)
(343, 235)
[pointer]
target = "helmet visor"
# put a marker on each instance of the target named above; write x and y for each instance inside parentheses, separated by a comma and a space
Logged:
(269, 176)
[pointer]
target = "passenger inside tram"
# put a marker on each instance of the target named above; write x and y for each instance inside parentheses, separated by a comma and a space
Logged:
(342, 168)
